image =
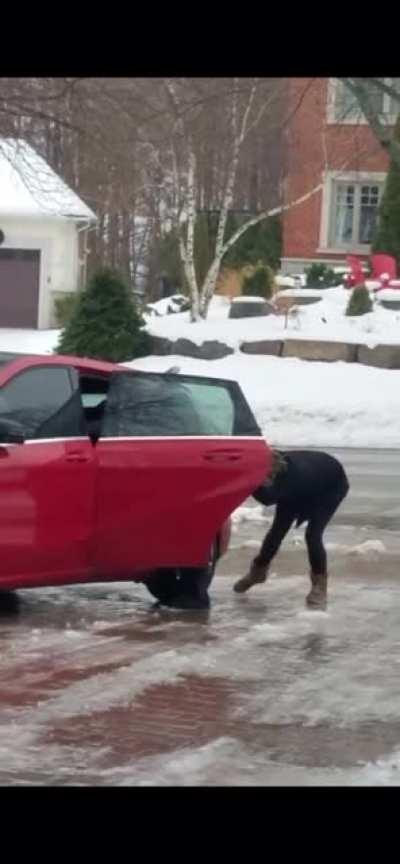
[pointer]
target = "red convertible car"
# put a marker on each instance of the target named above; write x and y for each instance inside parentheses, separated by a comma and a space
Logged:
(109, 474)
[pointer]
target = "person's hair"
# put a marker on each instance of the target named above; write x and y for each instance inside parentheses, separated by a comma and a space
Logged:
(279, 463)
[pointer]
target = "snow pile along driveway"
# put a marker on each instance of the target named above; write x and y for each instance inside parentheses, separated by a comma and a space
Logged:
(296, 403)
(308, 404)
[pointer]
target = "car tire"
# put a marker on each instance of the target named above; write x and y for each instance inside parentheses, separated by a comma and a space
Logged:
(9, 603)
(163, 584)
(184, 588)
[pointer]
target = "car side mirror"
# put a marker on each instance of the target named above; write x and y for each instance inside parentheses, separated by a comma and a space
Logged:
(11, 432)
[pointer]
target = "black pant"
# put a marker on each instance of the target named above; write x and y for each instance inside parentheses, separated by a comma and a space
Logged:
(285, 515)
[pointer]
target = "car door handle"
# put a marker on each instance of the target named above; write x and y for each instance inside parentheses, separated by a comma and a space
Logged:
(77, 457)
(223, 455)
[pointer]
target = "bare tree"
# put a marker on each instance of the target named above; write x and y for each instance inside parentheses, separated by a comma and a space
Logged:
(206, 127)
(147, 153)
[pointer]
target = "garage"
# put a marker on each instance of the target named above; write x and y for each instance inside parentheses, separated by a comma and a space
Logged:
(43, 238)
(19, 287)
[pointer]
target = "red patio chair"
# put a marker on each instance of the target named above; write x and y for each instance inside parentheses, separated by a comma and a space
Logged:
(356, 275)
(385, 271)
(383, 264)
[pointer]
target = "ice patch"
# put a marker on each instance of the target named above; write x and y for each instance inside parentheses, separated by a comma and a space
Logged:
(227, 761)
(250, 514)
(248, 544)
(368, 547)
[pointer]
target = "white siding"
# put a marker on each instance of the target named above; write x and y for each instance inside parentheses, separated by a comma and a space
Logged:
(57, 240)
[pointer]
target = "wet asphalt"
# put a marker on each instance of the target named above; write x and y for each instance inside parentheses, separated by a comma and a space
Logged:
(97, 687)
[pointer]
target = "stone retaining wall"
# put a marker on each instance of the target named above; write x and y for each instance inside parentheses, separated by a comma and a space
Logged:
(381, 356)
(211, 350)
(310, 349)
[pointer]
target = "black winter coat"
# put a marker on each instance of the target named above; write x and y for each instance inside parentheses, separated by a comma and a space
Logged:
(310, 480)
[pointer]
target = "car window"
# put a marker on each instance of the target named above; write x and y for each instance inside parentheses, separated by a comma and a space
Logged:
(92, 400)
(35, 396)
(68, 422)
(151, 404)
(215, 408)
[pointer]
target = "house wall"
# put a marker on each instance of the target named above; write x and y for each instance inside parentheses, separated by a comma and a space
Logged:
(314, 146)
(57, 240)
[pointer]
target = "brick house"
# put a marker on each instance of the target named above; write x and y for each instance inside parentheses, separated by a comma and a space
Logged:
(328, 140)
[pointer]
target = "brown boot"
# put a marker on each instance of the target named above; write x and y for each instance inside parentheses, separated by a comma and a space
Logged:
(318, 596)
(257, 574)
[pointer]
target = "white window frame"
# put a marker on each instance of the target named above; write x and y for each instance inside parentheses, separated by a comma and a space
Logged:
(327, 207)
(385, 117)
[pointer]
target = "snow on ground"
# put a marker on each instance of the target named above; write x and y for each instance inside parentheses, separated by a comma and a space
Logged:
(28, 341)
(308, 404)
(296, 403)
(389, 293)
(244, 299)
(325, 320)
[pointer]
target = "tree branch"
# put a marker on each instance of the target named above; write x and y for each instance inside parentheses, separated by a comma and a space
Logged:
(383, 133)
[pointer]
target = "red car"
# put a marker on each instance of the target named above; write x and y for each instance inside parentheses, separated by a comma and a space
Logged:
(111, 474)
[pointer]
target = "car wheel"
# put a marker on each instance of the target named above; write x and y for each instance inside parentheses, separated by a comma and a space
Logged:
(9, 603)
(198, 579)
(163, 584)
(184, 588)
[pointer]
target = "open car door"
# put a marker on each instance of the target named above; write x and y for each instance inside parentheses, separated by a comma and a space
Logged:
(176, 455)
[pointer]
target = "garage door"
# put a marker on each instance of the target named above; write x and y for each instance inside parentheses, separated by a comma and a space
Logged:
(19, 287)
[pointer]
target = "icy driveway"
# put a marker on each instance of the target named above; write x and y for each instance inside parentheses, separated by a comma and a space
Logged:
(98, 688)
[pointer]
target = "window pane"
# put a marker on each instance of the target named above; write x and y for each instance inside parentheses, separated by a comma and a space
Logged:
(369, 195)
(32, 397)
(148, 406)
(215, 408)
(395, 103)
(68, 422)
(368, 213)
(344, 214)
(346, 106)
(162, 406)
(376, 96)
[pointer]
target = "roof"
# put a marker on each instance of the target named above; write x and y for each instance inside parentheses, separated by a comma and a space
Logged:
(29, 187)
(18, 363)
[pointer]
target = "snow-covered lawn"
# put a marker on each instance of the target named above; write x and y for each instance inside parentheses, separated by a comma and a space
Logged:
(295, 402)
(29, 341)
(316, 404)
(325, 320)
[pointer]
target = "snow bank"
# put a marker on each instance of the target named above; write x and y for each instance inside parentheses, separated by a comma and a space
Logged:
(325, 320)
(296, 403)
(29, 341)
(308, 404)
(389, 294)
(248, 299)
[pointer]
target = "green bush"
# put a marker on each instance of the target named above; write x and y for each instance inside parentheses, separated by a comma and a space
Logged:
(259, 283)
(359, 302)
(387, 235)
(261, 242)
(321, 276)
(64, 307)
(105, 323)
